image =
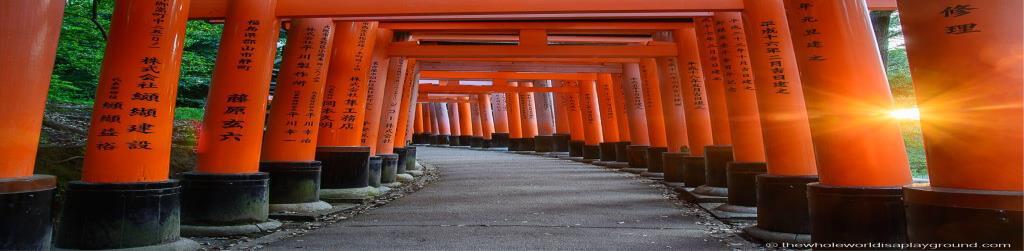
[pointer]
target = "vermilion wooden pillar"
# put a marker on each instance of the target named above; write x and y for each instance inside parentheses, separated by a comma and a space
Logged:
(528, 118)
(442, 124)
(744, 120)
(377, 79)
(419, 128)
(609, 128)
(591, 120)
(404, 136)
(478, 132)
(672, 102)
(572, 108)
(639, 138)
(515, 123)
(388, 123)
(651, 85)
(455, 123)
(289, 143)
(346, 163)
(29, 30)
(499, 111)
(622, 120)
(715, 156)
(465, 121)
(128, 153)
(544, 106)
(966, 60)
(847, 97)
(486, 119)
(782, 192)
(563, 133)
(227, 181)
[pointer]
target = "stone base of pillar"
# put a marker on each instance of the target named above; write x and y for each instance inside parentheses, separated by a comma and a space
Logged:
(499, 139)
(515, 144)
(608, 151)
(225, 204)
(95, 216)
(26, 212)
(527, 144)
(622, 151)
(672, 165)
(591, 152)
(443, 140)
(856, 214)
(654, 164)
(388, 168)
(576, 148)
(946, 215)
(544, 143)
(417, 138)
(782, 209)
(403, 155)
(374, 166)
(618, 165)
(487, 143)
(454, 140)
(742, 186)
(343, 166)
(717, 158)
(476, 142)
(295, 186)
(560, 143)
(465, 140)
(349, 195)
(410, 159)
(637, 159)
(693, 171)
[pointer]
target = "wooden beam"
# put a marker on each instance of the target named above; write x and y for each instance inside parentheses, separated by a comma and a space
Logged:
(515, 26)
(505, 75)
(554, 67)
(535, 59)
(471, 89)
(410, 49)
(215, 9)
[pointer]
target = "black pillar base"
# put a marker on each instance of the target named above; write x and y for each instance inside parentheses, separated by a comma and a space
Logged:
(638, 157)
(374, 166)
(527, 144)
(560, 142)
(343, 166)
(576, 148)
(515, 144)
(292, 184)
(946, 215)
(592, 152)
(693, 171)
(716, 160)
(25, 212)
(454, 140)
(465, 140)
(388, 168)
(443, 140)
(487, 143)
(607, 151)
(476, 142)
(654, 164)
(742, 179)
(224, 204)
(622, 151)
(544, 143)
(672, 164)
(410, 158)
(417, 138)
(120, 215)
(856, 214)
(782, 209)
(403, 155)
(499, 139)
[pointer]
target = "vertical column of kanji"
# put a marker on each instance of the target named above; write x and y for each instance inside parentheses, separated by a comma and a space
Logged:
(515, 123)
(499, 109)
(345, 173)
(787, 136)
(442, 123)
(388, 122)
(128, 152)
(622, 121)
(610, 127)
(695, 106)
(465, 121)
(226, 192)
(562, 135)
(672, 102)
(744, 120)
(966, 59)
(289, 144)
(639, 138)
(715, 156)
(29, 30)
(572, 108)
(486, 119)
(591, 114)
(654, 113)
(478, 132)
(847, 97)
(528, 118)
(406, 118)
(545, 118)
(377, 78)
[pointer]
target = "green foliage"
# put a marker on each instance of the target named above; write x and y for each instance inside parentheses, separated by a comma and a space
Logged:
(902, 86)
(188, 113)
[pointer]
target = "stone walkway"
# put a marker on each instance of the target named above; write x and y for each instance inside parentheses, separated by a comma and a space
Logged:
(502, 201)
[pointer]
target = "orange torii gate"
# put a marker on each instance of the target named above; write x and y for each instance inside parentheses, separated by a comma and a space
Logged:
(117, 163)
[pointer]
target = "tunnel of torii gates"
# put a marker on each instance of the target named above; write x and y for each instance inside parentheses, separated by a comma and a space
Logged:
(777, 108)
